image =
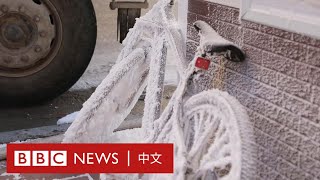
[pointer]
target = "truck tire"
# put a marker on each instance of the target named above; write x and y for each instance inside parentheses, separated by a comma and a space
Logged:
(45, 47)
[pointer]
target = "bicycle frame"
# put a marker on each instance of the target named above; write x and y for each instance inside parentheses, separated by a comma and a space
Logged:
(166, 33)
(150, 32)
(140, 65)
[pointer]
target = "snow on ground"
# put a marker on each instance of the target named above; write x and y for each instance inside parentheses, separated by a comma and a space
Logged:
(87, 176)
(67, 119)
(101, 64)
(15, 176)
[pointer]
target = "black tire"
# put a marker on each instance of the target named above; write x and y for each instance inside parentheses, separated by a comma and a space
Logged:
(79, 32)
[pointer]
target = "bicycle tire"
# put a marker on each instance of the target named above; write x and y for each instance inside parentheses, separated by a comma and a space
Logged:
(234, 146)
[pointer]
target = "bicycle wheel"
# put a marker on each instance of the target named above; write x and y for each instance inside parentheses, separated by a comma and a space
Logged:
(218, 137)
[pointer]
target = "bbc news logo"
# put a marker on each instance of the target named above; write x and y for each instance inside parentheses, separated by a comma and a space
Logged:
(90, 158)
(40, 158)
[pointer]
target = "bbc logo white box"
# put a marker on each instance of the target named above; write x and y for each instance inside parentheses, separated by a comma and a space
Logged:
(40, 158)
(58, 158)
(22, 158)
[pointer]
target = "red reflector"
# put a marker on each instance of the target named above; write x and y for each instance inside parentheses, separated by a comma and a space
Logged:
(202, 63)
(90, 158)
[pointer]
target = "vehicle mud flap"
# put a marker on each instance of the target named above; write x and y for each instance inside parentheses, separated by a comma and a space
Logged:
(126, 20)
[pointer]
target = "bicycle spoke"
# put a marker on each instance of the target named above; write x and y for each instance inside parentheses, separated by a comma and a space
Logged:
(220, 163)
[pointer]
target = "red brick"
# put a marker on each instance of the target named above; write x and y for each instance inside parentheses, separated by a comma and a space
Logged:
(262, 74)
(262, 139)
(310, 130)
(310, 165)
(254, 103)
(277, 147)
(292, 172)
(266, 125)
(295, 87)
(302, 38)
(317, 43)
(313, 57)
(237, 80)
(254, 87)
(277, 32)
(253, 116)
(306, 40)
(280, 177)
(289, 137)
(301, 108)
(266, 172)
(230, 31)
(280, 64)
(289, 49)
(238, 67)
(257, 39)
(310, 149)
(267, 157)
(220, 12)
(193, 33)
(308, 73)
(253, 54)
(316, 95)
(236, 17)
(266, 92)
(199, 7)
(192, 17)
(267, 109)
(192, 46)
(250, 25)
(289, 120)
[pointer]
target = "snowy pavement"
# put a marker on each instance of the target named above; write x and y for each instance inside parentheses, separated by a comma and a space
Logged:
(6, 176)
(132, 121)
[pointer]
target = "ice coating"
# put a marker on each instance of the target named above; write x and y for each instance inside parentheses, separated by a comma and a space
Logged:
(110, 104)
(210, 129)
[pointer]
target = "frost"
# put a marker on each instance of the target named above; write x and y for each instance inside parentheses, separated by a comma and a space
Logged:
(209, 128)
(15, 176)
(112, 101)
(117, 94)
(209, 38)
(67, 119)
(77, 177)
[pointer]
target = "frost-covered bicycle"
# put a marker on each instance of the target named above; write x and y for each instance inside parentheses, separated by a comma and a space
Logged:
(209, 128)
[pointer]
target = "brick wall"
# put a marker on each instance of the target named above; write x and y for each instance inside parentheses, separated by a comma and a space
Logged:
(280, 86)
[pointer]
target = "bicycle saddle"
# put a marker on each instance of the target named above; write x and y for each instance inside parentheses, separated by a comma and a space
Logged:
(211, 42)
